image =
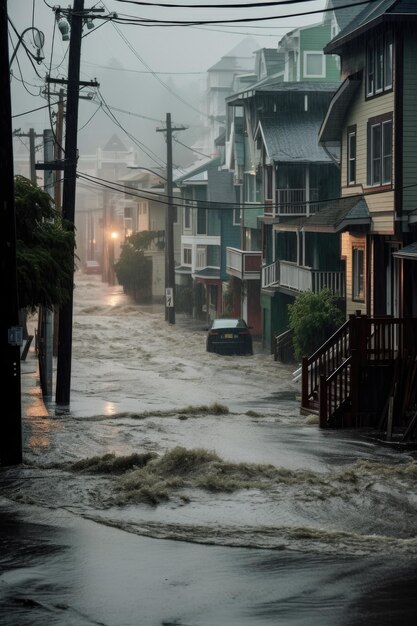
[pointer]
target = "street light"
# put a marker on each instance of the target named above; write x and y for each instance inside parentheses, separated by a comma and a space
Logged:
(113, 237)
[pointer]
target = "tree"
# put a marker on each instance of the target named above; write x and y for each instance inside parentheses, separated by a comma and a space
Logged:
(44, 248)
(313, 318)
(134, 269)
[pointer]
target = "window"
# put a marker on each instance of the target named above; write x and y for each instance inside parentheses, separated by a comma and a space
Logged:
(358, 267)
(380, 151)
(236, 217)
(379, 64)
(351, 155)
(187, 256)
(201, 221)
(187, 216)
(314, 65)
(268, 182)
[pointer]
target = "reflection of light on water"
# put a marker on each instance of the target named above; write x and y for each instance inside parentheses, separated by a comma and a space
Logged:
(115, 298)
(109, 408)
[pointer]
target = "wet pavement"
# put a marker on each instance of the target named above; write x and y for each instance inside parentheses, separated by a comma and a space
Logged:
(330, 541)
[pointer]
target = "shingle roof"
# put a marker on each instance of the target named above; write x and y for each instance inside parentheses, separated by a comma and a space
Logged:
(275, 84)
(346, 15)
(332, 216)
(408, 252)
(293, 138)
(372, 13)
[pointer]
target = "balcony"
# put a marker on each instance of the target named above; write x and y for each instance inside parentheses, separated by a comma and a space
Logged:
(243, 264)
(293, 203)
(300, 278)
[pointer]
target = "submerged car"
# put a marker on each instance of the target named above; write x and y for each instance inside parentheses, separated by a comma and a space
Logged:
(229, 336)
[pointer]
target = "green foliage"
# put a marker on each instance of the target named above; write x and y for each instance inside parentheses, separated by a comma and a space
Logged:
(313, 318)
(44, 248)
(144, 239)
(134, 271)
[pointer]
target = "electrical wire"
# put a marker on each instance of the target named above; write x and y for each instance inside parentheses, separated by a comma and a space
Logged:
(132, 49)
(209, 205)
(161, 23)
(241, 5)
(149, 153)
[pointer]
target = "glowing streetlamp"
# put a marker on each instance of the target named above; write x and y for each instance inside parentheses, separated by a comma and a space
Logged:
(111, 275)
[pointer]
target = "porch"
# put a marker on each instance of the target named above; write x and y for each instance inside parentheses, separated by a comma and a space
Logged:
(365, 375)
(243, 264)
(300, 278)
(293, 203)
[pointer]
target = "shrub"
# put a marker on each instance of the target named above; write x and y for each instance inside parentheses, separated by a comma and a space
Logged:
(313, 318)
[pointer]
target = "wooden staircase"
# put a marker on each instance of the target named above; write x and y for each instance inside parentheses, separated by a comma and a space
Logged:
(348, 381)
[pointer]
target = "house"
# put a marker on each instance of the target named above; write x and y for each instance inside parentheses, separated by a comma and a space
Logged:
(205, 214)
(372, 118)
(143, 209)
(272, 148)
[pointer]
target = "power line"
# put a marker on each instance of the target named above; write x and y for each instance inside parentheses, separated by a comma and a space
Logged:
(170, 23)
(209, 205)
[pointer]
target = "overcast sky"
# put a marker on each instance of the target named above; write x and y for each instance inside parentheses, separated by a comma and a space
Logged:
(146, 58)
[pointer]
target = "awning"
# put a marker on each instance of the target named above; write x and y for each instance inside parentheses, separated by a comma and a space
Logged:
(333, 122)
(408, 252)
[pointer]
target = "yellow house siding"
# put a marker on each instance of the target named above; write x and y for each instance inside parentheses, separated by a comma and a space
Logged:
(359, 114)
(348, 241)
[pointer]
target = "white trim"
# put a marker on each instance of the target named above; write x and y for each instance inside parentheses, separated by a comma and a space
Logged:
(323, 64)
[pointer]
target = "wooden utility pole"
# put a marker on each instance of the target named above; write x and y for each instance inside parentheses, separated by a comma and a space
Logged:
(169, 226)
(10, 332)
(63, 376)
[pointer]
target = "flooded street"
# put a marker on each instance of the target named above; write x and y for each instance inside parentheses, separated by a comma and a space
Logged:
(184, 488)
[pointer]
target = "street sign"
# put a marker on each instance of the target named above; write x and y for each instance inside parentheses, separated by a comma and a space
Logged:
(169, 297)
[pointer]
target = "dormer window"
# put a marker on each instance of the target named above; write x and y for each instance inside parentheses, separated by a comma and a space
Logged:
(379, 64)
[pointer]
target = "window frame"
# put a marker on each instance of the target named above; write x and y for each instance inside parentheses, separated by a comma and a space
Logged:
(358, 273)
(187, 249)
(187, 223)
(379, 57)
(308, 53)
(351, 160)
(376, 163)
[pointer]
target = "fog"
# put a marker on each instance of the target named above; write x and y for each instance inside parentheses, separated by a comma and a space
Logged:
(146, 71)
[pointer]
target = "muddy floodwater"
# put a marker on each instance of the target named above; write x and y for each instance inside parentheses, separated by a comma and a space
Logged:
(184, 488)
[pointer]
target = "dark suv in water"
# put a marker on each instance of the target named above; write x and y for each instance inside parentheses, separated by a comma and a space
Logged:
(229, 336)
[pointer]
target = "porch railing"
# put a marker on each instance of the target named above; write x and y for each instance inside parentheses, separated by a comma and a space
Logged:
(300, 278)
(294, 202)
(330, 377)
(244, 264)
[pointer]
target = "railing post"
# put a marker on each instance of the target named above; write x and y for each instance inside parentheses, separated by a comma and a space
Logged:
(323, 402)
(304, 382)
(354, 385)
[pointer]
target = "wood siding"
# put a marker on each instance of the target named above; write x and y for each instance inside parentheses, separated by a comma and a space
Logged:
(348, 241)
(381, 204)
(410, 124)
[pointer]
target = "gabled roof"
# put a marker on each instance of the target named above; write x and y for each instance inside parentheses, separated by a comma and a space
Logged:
(347, 14)
(196, 173)
(293, 138)
(114, 144)
(241, 57)
(332, 216)
(372, 14)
